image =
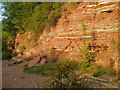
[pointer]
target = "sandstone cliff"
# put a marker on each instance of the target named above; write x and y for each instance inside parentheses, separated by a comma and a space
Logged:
(96, 24)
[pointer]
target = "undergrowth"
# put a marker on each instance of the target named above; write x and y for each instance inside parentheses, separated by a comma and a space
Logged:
(64, 74)
(45, 70)
(88, 65)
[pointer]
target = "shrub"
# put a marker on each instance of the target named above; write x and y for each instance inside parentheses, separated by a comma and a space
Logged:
(7, 41)
(88, 65)
(6, 54)
(65, 75)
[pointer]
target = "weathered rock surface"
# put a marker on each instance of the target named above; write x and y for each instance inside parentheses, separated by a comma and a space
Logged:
(33, 62)
(42, 59)
(96, 24)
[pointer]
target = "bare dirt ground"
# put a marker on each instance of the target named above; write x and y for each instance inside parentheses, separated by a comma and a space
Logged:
(14, 77)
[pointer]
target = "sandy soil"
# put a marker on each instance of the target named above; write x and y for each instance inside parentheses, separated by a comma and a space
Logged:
(14, 77)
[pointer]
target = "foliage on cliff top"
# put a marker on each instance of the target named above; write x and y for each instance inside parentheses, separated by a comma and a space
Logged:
(29, 15)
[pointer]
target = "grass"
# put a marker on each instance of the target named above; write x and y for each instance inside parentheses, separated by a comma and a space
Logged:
(45, 70)
(53, 67)
(94, 69)
(102, 71)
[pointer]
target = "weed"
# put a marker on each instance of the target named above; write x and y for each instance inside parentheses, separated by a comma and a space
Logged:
(85, 54)
(21, 49)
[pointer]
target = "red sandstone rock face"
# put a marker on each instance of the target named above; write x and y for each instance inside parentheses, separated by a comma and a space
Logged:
(88, 21)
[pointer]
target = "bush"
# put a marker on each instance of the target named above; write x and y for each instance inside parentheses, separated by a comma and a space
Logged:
(65, 75)
(7, 42)
(6, 54)
(45, 15)
(88, 65)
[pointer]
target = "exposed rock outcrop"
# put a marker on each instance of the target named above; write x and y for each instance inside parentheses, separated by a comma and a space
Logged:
(94, 23)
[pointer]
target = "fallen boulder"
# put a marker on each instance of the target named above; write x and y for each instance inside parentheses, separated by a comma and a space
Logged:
(33, 62)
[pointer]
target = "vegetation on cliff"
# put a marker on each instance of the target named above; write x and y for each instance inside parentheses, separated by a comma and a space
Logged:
(24, 16)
